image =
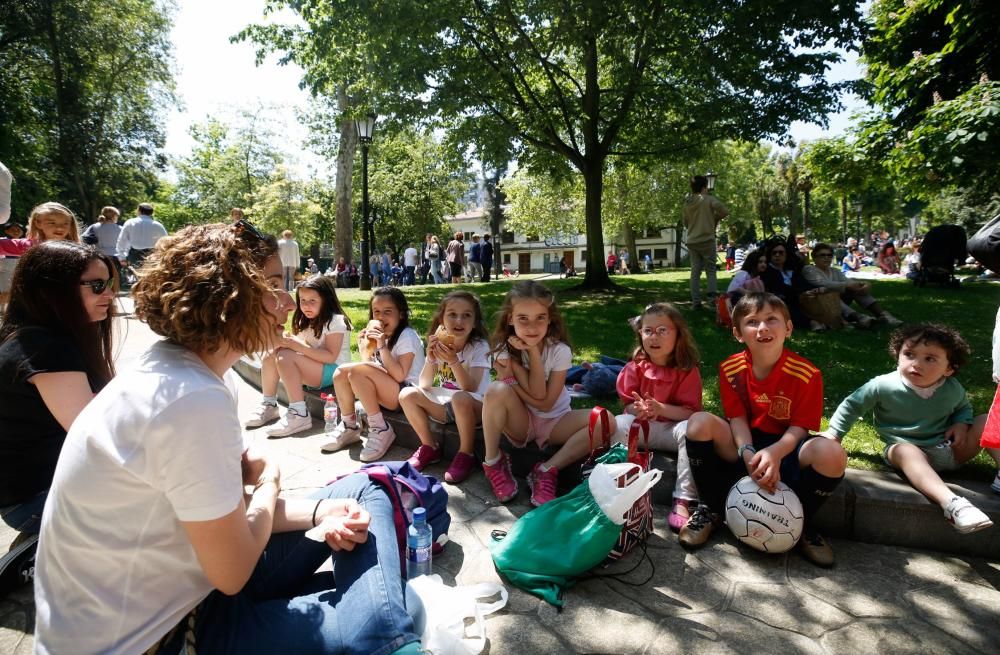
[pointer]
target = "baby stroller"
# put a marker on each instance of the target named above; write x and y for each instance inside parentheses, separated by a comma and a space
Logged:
(941, 248)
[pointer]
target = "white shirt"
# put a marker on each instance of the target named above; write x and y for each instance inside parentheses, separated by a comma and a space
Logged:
(408, 342)
(160, 444)
(335, 326)
(141, 233)
(556, 356)
(410, 256)
(288, 253)
(475, 354)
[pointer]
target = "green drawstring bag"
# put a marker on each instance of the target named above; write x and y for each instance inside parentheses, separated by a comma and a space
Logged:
(548, 548)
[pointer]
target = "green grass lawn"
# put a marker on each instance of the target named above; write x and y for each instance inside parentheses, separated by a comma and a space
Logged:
(847, 358)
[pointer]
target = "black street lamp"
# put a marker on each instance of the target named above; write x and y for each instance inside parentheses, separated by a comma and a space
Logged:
(857, 210)
(710, 176)
(365, 127)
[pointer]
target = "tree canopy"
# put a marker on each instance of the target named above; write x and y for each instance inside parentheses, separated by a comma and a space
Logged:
(569, 84)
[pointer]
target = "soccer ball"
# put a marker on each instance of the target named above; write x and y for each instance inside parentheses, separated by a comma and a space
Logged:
(765, 521)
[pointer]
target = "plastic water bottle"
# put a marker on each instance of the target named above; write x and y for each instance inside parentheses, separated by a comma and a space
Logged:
(418, 545)
(331, 413)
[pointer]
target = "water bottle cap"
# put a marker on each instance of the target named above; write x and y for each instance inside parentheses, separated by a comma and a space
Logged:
(420, 515)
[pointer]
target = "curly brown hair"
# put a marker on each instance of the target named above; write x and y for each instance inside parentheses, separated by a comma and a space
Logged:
(204, 288)
(949, 339)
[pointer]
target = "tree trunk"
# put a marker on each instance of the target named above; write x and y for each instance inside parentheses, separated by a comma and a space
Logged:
(592, 167)
(678, 239)
(344, 223)
(633, 256)
(843, 216)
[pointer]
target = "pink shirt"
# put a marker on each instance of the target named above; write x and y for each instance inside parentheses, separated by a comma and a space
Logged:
(667, 385)
(15, 247)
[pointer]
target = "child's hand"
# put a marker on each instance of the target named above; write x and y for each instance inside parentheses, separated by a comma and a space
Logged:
(765, 469)
(957, 434)
(517, 342)
(503, 368)
(828, 435)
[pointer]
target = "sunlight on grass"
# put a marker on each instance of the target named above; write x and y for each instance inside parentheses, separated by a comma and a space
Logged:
(847, 358)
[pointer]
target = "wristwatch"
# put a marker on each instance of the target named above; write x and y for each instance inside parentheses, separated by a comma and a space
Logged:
(745, 447)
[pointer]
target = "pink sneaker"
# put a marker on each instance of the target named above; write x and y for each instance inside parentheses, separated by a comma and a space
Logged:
(542, 484)
(501, 479)
(460, 468)
(424, 456)
(679, 514)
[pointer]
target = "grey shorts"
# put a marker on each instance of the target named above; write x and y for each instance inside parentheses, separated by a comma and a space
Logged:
(941, 457)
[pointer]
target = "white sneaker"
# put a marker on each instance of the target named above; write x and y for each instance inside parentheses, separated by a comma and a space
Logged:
(264, 414)
(965, 516)
(864, 321)
(377, 443)
(291, 424)
(341, 437)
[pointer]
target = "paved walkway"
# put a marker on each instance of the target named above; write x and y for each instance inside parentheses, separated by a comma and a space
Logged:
(723, 598)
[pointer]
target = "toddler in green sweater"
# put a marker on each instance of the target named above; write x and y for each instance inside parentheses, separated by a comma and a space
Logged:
(923, 415)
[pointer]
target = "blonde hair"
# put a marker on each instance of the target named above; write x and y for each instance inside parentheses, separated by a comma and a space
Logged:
(45, 209)
(527, 290)
(685, 355)
(204, 287)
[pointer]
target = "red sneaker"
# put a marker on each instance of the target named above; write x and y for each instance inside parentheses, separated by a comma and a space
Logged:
(460, 468)
(501, 479)
(424, 456)
(542, 484)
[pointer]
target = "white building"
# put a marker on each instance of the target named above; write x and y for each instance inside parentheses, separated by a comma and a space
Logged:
(542, 254)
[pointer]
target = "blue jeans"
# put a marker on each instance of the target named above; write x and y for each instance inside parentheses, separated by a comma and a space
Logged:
(27, 516)
(286, 607)
(436, 271)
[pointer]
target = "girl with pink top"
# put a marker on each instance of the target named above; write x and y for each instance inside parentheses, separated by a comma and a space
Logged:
(662, 385)
(49, 221)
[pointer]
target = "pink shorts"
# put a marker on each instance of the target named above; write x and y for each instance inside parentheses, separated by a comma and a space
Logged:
(539, 429)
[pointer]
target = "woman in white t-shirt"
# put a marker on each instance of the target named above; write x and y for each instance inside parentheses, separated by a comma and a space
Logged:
(320, 342)
(458, 353)
(529, 401)
(151, 540)
(392, 355)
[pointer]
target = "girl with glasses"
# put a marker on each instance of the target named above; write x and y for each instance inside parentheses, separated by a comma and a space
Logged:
(663, 386)
(55, 354)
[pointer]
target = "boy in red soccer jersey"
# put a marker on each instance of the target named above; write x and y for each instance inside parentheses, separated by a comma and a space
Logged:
(772, 398)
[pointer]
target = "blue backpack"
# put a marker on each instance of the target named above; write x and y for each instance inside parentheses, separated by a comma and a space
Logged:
(408, 489)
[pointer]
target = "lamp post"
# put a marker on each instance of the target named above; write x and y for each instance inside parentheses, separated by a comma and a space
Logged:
(710, 176)
(365, 127)
(805, 185)
(857, 210)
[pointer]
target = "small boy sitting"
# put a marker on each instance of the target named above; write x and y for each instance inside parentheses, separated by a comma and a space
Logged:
(772, 398)
(923, 415)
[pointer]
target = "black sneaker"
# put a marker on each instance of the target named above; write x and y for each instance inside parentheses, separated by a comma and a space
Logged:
(816, 549)
(699, 527)
(17, 567)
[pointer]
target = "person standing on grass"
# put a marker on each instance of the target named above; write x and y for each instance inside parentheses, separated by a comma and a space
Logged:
(702, 214)
(410, 260)
(288, 251)
(486, 257)
(455, 255)
(475, 259)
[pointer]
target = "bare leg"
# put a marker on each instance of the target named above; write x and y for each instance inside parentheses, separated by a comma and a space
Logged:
(826, 456)
(375, 388)
(703, 426)
(503, 411)
(571, 433)
(297, 369)
(342, 388)
(417, 407)
(269, 374)
(914, 465)
(468, 412)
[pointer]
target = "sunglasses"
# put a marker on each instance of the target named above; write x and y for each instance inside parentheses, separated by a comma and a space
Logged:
(244, 227)
(98, 286)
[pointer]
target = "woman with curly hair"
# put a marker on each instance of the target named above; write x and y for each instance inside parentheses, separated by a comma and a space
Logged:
(151, 540)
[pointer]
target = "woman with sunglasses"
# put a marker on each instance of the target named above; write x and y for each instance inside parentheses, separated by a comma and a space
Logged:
(164, 533)
(783, 278)
(55, 354)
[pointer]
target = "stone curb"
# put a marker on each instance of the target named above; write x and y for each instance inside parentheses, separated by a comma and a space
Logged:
(869, 506)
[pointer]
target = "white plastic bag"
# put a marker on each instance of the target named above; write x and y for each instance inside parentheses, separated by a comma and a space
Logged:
(439, 613)
(616, 501)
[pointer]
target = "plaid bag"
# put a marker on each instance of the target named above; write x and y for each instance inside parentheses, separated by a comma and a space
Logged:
(639, 521)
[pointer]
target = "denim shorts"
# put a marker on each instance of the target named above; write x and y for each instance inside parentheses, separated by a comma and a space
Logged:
(26, 516)
(940, 456)
(326, 379)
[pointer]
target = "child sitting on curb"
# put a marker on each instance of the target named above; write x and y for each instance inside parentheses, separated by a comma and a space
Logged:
(923, 415)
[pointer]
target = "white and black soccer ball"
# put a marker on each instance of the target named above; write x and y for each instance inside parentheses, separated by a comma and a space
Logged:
(768, 522)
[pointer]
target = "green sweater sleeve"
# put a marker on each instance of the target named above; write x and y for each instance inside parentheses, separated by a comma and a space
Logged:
(854, 407)
(963, 410)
